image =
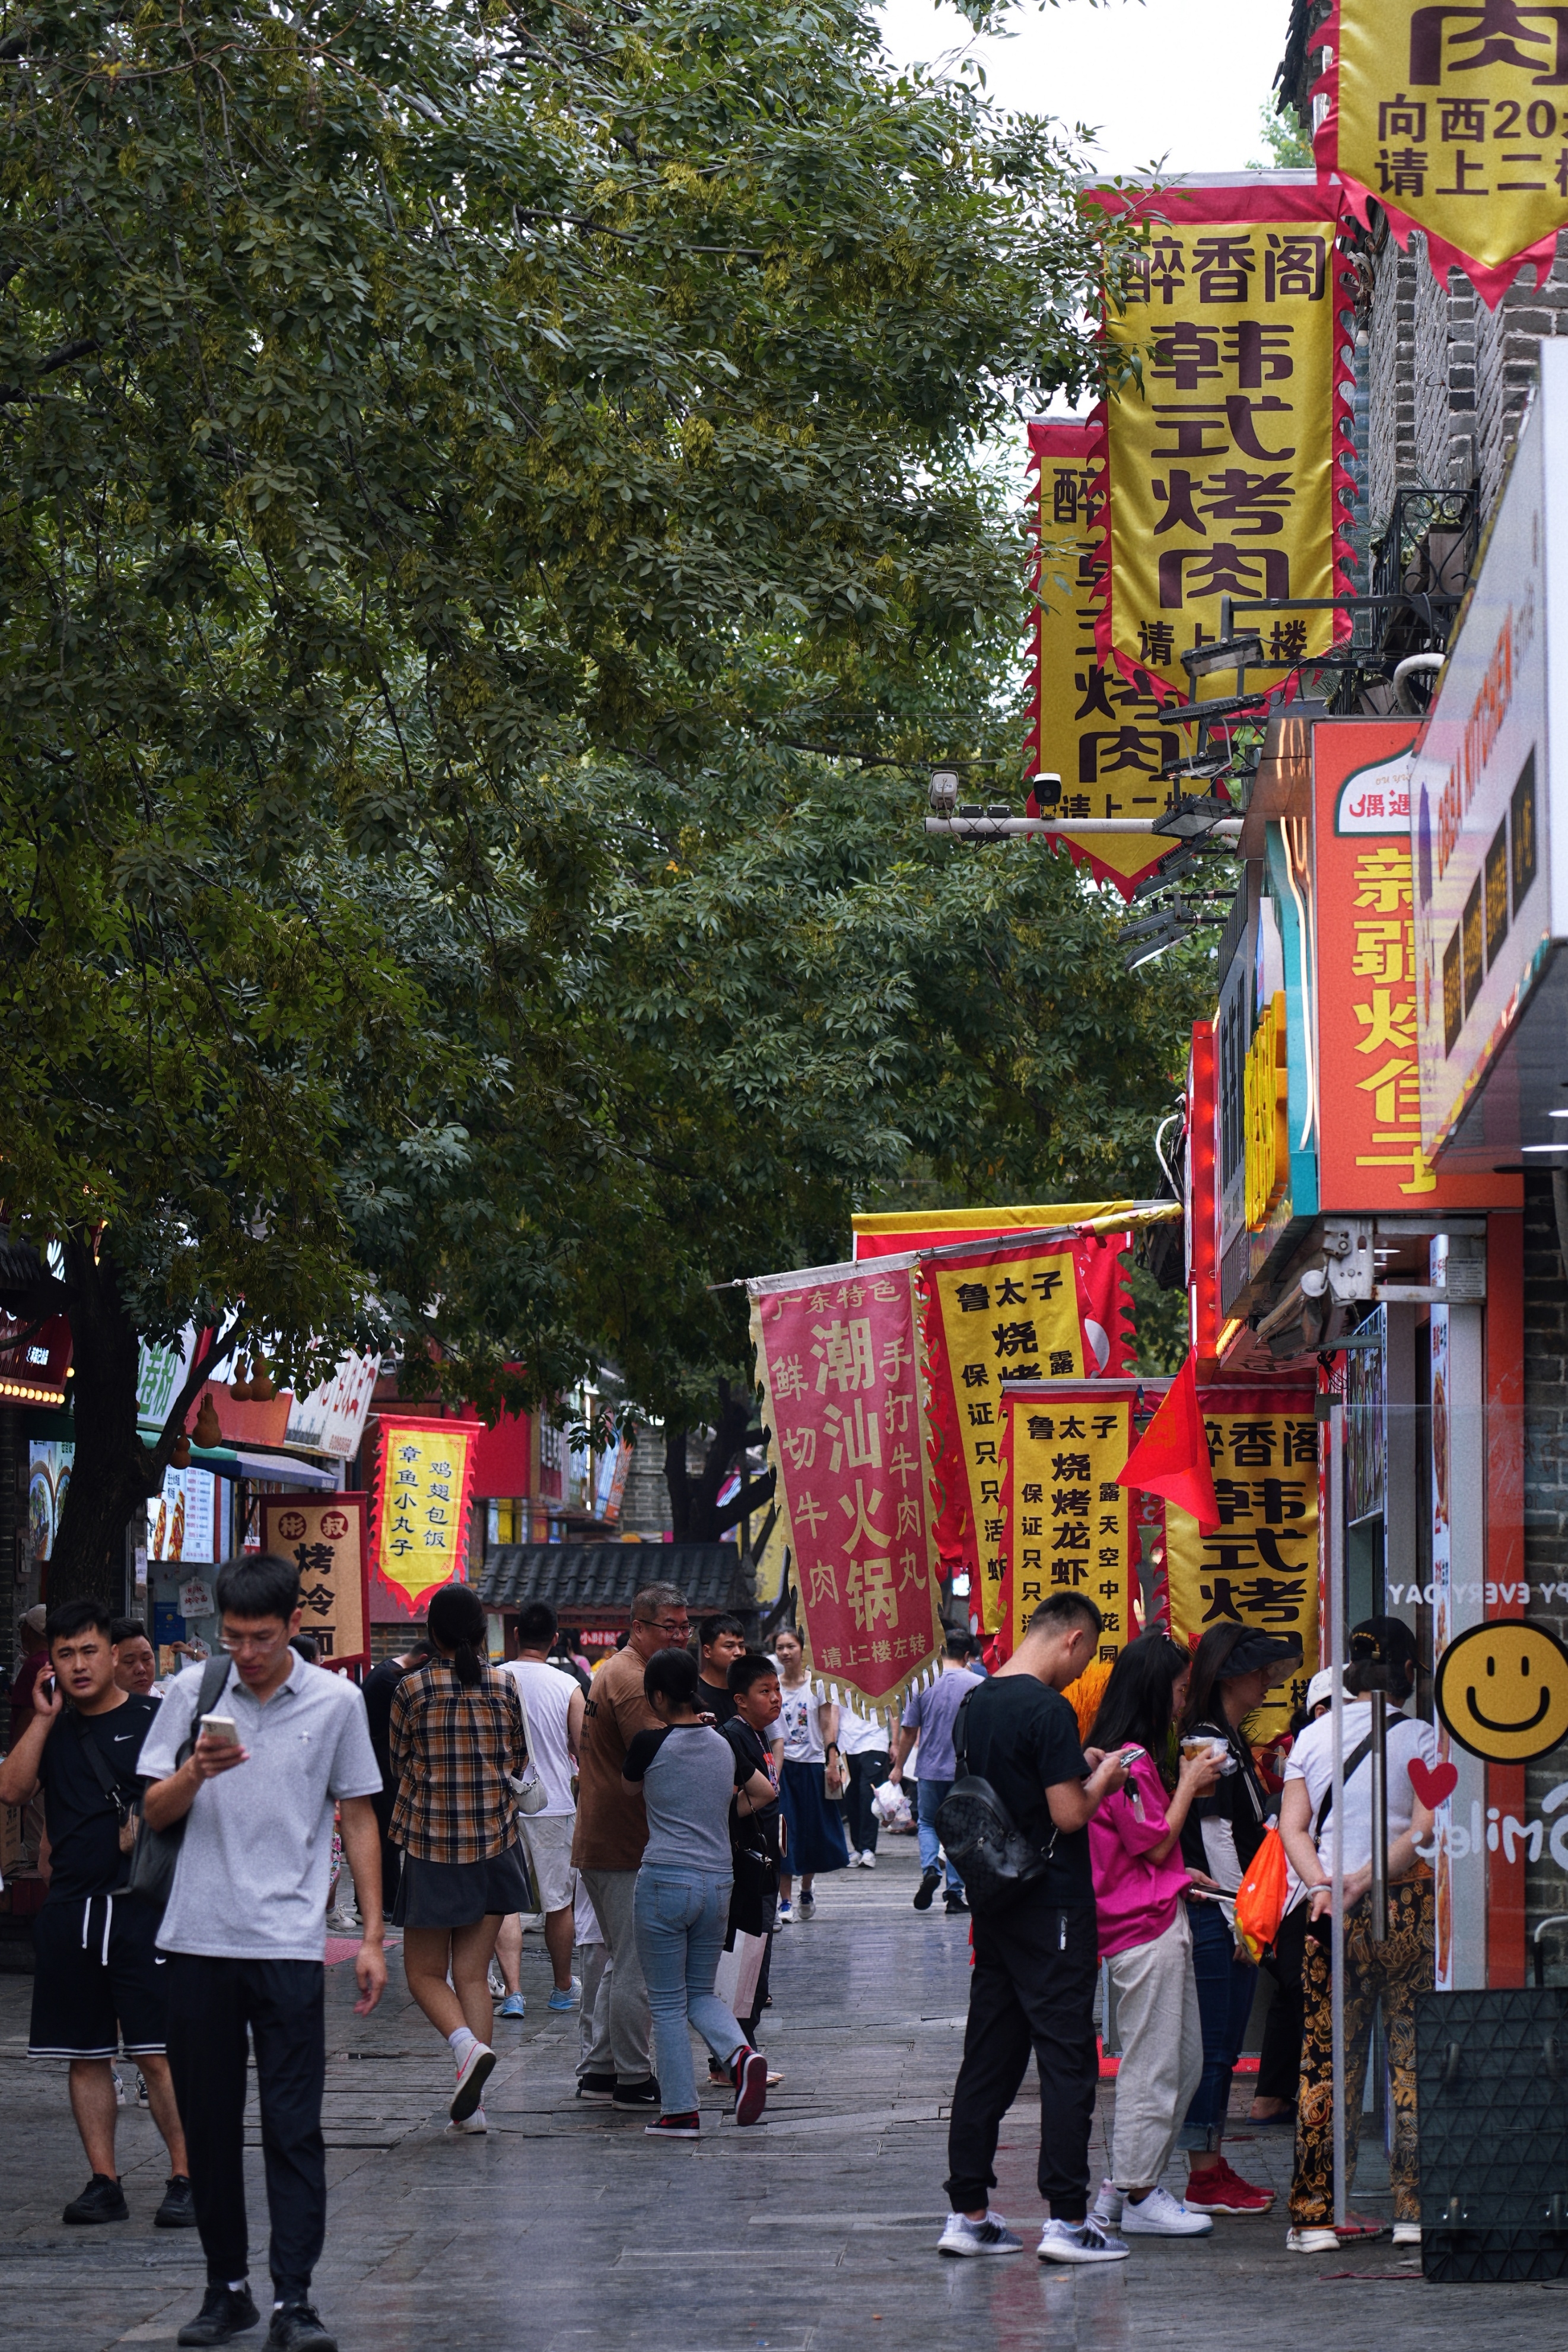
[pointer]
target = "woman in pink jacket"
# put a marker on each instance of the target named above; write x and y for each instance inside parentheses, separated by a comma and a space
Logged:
(1140, 1883)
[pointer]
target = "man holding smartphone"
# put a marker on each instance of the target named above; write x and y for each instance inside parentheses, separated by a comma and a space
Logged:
(255, 1782)
(96, 1979)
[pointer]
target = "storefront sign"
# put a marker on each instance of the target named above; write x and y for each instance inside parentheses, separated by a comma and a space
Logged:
(183, 1517)
(331, 1419)
(836, 1360)
(160, 1373)
(34, 1360)
(324, 1536)
(49, 1464)
(420, 1506)
(1371, 1149)
(1451, 117)
(1501, 1690)
(1224, 456)
(1097, 730)
(1266, 1095)
(1063, 1448)
(1260, 1566)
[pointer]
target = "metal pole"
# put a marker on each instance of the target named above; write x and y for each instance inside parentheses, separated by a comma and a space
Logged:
(1336, 1866)
(1379, 1760)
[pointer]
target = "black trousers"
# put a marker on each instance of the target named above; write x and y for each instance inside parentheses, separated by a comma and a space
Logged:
(392, 1855)
(749, 2025)
(211, 2003)
(867, 1772)
(1032, 1988)
(1279, 2062)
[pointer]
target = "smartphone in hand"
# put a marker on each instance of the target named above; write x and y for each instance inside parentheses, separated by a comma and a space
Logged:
(221, 1729)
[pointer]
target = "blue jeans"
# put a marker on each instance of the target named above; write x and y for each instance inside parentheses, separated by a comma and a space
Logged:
(680, 1917)
(1225, 1990)
(929, 1797)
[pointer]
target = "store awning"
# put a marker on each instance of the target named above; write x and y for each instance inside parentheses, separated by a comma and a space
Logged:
(280, 1469)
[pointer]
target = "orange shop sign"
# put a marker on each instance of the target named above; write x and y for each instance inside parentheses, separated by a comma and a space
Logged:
(1369, 1114)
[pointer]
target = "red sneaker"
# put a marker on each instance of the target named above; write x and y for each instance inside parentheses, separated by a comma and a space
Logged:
(1220, 2190)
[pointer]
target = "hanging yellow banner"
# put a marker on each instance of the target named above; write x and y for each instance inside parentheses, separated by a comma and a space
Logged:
(1070, 1518)
(1453, 119)
(1100, 731)
(1222, 462)
(1260, 1566)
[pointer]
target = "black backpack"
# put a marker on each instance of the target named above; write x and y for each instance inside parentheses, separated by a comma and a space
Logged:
(992, 1856)
(155, 1852)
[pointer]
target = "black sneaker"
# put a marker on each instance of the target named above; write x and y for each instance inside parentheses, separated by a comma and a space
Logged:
(929, 1882)
(297, 2327)
(226, 2311)
(103, 2199)
(178, 2211)
(637, 2095)
(596, 2090)
(954, 1903)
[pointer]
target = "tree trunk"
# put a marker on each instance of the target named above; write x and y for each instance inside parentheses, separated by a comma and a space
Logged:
(113, 1473)
(694, 1512)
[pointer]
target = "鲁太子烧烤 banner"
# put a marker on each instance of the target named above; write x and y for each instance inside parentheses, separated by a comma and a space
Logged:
(837, 1360)
(1070, 1524)
(1224, 438)
(1453, 119)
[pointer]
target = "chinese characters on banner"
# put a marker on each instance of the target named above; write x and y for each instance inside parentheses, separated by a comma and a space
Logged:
(1260, 1566)
(1453, 119)
(1096, 728)
(324, 1536)
(1370, 1154)
(420, 1507)
(836, 1360)
(1067, 1516)
(1224, 466)
(1009, 1312)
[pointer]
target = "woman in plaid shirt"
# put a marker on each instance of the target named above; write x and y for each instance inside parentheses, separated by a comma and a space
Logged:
(456, 1745)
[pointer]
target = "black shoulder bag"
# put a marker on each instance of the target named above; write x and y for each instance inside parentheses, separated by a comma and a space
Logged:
(155, 1852)
(992, 1856)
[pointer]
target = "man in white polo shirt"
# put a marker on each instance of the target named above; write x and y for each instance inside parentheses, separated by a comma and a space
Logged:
(244, 1932)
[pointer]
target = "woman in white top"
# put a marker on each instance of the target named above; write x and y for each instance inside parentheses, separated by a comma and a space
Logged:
(868, 1757)
(553, 1709)
(813, 1829)
(1382, 1660)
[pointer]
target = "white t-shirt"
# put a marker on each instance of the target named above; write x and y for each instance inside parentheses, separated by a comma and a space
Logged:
(862, 1734)
(1311, 1760)
(796, 1724)
(546, 1695)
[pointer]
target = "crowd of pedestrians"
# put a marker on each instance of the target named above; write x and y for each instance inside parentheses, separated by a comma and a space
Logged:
(665, 1819)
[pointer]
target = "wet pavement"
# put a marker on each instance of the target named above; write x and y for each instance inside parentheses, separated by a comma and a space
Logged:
(568, 2231)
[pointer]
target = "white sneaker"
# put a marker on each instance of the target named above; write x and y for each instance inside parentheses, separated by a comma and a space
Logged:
(470, 2126)
(868, 1859)
(1079, 2242)
(786, 1915)
(1106, 2210)
(991, 2236)
(472, 2076)
(1311, 2241)
(1407, 2233)
(1160, 2215)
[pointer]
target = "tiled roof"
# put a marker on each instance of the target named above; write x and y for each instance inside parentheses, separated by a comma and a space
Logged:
(605, 1577)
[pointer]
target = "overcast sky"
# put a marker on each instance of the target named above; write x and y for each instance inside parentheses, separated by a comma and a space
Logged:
(1180, 81)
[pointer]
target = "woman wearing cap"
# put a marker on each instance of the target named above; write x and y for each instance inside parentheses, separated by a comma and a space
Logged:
(1381, 1672)
(1233, 1669)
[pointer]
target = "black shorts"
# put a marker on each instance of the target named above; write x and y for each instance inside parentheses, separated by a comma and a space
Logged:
(97, 1981)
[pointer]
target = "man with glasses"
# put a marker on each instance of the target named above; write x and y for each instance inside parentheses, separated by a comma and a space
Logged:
(278, 1745)
(611, 1831)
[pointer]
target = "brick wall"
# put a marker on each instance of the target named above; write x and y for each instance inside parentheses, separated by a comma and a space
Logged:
(1545, 1494)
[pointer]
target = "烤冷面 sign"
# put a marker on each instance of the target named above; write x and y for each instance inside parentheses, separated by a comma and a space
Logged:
(324, 1536)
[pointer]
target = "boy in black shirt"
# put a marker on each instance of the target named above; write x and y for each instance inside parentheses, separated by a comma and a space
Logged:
(97, 1974)
(756, 1841)
(1036, 1957)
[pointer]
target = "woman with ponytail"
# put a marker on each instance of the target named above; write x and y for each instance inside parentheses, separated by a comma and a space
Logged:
(457, 1746)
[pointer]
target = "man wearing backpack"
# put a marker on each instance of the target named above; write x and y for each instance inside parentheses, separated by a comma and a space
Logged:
(1036, 1946)
(97, 1976)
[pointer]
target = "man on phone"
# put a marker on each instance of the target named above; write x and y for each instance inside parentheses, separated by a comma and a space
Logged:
(97, 1976)
(246, 1934)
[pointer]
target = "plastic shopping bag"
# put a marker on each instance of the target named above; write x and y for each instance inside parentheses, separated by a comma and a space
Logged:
(1260, 1899)
(740, 1966)
(891, 1805)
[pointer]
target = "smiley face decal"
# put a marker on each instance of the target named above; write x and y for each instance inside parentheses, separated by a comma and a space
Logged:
(1502, 1691)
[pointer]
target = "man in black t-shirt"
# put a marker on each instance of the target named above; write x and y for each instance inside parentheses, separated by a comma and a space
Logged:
(720, 1642)
(1036, 1958)
(98, 1979)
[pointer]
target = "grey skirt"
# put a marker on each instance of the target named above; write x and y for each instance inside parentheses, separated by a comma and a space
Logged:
(461, 1894)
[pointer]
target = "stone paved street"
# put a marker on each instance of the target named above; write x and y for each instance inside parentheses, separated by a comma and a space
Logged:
(568, 2229)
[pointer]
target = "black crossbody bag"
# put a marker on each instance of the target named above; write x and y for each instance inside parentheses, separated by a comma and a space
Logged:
(991, 1854)
(155, 1852)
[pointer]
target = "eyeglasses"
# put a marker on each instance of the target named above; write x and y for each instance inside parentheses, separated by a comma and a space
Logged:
(681, 1626)
(252, 1645)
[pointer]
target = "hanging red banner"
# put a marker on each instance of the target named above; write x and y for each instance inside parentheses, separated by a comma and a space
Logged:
(1448, 119)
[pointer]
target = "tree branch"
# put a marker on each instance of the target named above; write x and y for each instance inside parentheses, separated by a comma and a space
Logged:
(60, 358)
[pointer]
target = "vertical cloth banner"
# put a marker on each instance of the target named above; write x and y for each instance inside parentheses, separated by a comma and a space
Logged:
(991, 1314)
(1260, 1567)
(1370, 1153)
(420, 1502)
(836, 1360)
(1223, 467)
(324, 1536)
(1451, 117)
(1095, 728)
(1070, 1520)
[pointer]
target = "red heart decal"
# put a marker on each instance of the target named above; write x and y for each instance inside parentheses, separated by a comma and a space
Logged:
(1433, 1782)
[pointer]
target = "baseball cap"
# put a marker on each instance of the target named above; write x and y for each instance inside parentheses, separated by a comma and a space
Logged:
(1256, 1650)
(1320, 1690)
(35, 1619)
